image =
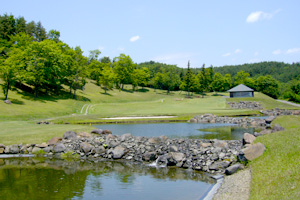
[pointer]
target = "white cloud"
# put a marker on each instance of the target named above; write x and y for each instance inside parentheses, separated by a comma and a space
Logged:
(238, 51)
(277, 52)
(226, 54)
(260, 15)
(294, 50)
(134, 38)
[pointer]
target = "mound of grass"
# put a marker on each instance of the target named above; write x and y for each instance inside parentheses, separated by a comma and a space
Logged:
(276, 174)
(266, 101)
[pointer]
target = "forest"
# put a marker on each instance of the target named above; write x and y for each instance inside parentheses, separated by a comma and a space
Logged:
(39, 63)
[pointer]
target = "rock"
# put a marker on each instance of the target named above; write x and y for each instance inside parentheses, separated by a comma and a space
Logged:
(54, 140)
(154, 140)
(163, 137)
(69, 135)
(106, 132)
(149, 156)
(175, 158)
(193, 120)
(233, 169)
(263, 132)
(205, 145)
(248, 138)
(2, 150)
(219, 165)
(97, 131)
(118, 152)
(84, 134)
(254, 151)
(48, 149)
(98, 150)
(7, 101)
(2, 146)
(85, 147)
(36, 150)
(270, 119)
(277, 128)
(173, 148)
(43, 145)
(59, 148)
(220, 143)
(14, 149)
(125, 136)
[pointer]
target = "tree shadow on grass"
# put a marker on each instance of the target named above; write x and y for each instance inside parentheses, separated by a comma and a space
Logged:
(143, 90)
(107, 94)
(15, 101)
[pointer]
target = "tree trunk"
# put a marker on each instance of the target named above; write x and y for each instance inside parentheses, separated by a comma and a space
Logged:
(7, 88)
(74, 97)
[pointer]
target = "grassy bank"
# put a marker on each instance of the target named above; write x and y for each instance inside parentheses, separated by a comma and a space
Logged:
(16, 132)
(276, 174)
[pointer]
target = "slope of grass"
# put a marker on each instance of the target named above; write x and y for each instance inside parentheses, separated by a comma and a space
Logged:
(276, 174)
(266, 101)
(16, 132)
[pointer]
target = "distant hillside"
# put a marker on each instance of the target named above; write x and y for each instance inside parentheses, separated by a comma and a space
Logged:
(283, 72)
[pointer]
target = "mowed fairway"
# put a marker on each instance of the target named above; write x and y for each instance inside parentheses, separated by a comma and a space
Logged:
(169, 105)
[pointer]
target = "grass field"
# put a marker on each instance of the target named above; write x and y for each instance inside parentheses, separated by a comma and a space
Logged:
(92, 105)
(276, 174)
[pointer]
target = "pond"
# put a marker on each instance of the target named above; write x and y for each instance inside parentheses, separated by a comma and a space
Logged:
(175, 130)
(40, 178)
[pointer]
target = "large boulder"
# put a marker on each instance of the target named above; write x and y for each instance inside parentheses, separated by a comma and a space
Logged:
(220, 143)
(125, 136)
(253, 151)
(2, 148)
(248, 138)
(219, 165)
(149, 156)
(154, 140)
(7, 101)
(84, 134)
(69, 135)
(85, 147)
(13, 149)
(54, 140)
(59, 148)
(97, 131)
(118, 152)
(175, 158)
(277, 128)
(233, 169)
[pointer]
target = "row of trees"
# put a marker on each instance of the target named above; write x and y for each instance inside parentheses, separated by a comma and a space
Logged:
(32, 58)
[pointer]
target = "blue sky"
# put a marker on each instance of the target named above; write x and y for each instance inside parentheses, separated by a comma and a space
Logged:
(173, 31)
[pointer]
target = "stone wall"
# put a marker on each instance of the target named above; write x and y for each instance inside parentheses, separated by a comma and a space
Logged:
(253, 105)
(243, 121)
(212, 156)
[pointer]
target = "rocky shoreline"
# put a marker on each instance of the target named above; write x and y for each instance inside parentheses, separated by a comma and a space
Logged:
(212, 156)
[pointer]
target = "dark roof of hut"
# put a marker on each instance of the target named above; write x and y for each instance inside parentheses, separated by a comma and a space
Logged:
(241, 88)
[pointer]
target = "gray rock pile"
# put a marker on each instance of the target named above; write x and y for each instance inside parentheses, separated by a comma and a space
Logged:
(253, 105)
(278, 112)
(243, 121)
(212, 156)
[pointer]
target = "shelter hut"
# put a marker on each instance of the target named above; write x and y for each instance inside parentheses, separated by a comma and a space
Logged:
(241, 91)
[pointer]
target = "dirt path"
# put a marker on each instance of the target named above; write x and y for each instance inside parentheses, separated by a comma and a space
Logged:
(235, 187)
(288, 102)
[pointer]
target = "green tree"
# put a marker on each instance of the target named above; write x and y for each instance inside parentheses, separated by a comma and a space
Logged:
(268, 85)
(241, 78)
(218, 84)
(107, 77)
(187, 82)
(43, 66)
(140, 77)
(11, 70)
(54, 35)
(123, 67)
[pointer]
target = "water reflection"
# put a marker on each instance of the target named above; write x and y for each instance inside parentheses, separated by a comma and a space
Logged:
(37, 178)
(175, 130)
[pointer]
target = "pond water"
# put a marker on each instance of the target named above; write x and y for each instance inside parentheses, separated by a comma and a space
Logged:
(40, 178)
(175, 130)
